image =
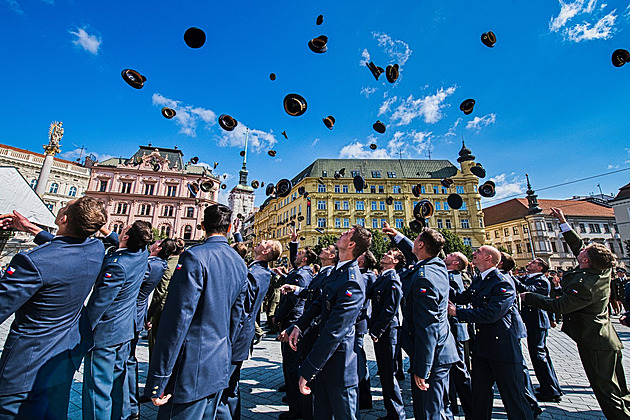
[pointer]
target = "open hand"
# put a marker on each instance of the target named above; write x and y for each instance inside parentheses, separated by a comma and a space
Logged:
(420, 383)
(161, 400)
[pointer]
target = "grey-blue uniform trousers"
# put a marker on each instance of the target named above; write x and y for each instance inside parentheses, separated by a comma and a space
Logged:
(427, 338)
(361, 328)
(45, 288)
(152, 277)
(459, 380)
(333, 359)
(111, 311)
(258, 280)
(385, 295)
(498, 356)
(537, 323)
(202, 317)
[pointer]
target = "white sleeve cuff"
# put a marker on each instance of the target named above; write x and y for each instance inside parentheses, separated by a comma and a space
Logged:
(564, 227)
(298, 290)
(399, 237)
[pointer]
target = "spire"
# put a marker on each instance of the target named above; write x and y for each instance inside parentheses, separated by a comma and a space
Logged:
(243, 172)
(465, 154)
(534, 208)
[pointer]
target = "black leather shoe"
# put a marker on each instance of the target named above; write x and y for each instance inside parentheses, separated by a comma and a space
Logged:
(259, 338)
(548, 398)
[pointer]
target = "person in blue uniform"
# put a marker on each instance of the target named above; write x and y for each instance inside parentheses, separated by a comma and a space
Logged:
(497, 357)
(112, 311)
(258, 280)
(50, 333)
(537, 323)
(385, 295)
(159, 252)
(202, 317)
(289, 310)
(332, 359)
(329, 256)
(361, 329)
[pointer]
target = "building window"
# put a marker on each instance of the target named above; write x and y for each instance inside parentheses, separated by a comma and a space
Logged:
(324, 173)
(376, 174)
(381, 189)
(444, 190)
(446, 207)
(171, 190)
(487, 236)
(337, 205)
(165, 231)
(438, 205)
(463, 207)
(459, 189)
(468, 241)
(478, 204)
(594, 228)
(117, 228)
(361, 221)
(355, 173)
(606, 228)
(321, 188)
(346, 222)
(398, 223)
(480, 223)
(422, 189)
(344, 189)
(506, 232)
(34, 184)
(616, 228)
(73, 192)
(168, 211)
(337, 188)
(525, 229)
(121, 208)
(554, 248)
(373, 206)
(549, 226)
(612, 247)
(337, 222)
(381, 205)
(190, 212)
(383, 221)
(440, 224)
(149, 189)
(509, 248)
(582, 228)
(436, 190)
(125, 187)
(398, 205)
(321, 205)
(360, 205)
(321, 222)
(496, 234)
(519, 248)
(373, 189)
(103, 186)
(465, 224)
(397, 189)
(529, 247)
(145, 209)
(447, 223)
(187, 232)
(515, 230)
(346, 205)
(50, 206)
(391, 174)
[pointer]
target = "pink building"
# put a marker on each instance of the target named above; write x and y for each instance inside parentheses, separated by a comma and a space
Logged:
(154, 185)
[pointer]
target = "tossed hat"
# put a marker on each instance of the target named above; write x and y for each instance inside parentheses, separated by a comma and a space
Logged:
(478, 171)
(329, 121)
(620, 57)
(337, 175)
(301, 190)
(194, 37)
(194, 160)
(255, 184)
(379, 127)
(272, 153)
(318, 45)
(467, 106)
(423, 210)
(294, 104)
(300, 218)
(342, 171)
(488, 39)
(359, 183)
(446, 182)
(389, 200)
(455, 201)
(272, 76)
(206, 186)
(262, 184)
(416, 190)
(488, 189)
(133, 78)
(242, 153)
(373, 146)
(392, 73)
(319, 20)
(193, 187)
(227, 123)
(321, 180)
(376, 71)
(306, 194)
(417, 225)
(168, 113)
(156, 167)
(283, 187)
(270, 189)
(223, 186)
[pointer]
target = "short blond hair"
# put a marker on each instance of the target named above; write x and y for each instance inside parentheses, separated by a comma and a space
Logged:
(276, 250)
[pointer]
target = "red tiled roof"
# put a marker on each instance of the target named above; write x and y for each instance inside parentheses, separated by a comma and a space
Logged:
(516, 208)
(17, 149)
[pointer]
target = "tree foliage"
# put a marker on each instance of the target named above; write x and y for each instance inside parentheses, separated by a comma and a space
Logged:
(455, 244)
(380, 244)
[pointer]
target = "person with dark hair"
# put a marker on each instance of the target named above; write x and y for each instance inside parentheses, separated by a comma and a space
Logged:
(289, 310)
(584, 302)
(112, 313)
(159, 252)
(385, 295)
(160, 292)
(50, 333)
(202, 317)
(332, 359)
(241, 249)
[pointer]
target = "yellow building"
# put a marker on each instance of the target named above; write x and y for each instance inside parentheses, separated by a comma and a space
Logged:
(333, 205)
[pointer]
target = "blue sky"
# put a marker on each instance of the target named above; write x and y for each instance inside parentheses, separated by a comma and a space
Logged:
(549, 101)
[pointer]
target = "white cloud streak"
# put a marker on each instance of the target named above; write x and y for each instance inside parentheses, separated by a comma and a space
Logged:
(602, 29)
(429, 108)
(386, 105)
(506, 186)
(14, 6)
(394, 48)
(478, 122)
(411, 143)
(453, 128)
(592, 26)
(89, 43)
(78, 153)
(365, 57)
(367, 91)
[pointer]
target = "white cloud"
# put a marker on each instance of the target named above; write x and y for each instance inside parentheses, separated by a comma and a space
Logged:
(507, 186)
(421, 140)
(406, 144)
(365, 57)
(367, 91)
(479, 122)
(358, 150)
(89, 43)
(395, 48)
(592, 26)
(430, 107)
(452, 128)
(258, 140)
(387, 105)
(315, 142)
(603, 29)
(78, 153)
(187, 116)
(14, 6)
(612, 167)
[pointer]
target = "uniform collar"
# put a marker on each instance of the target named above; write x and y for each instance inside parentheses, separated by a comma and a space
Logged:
(389, 270)
(488, 271)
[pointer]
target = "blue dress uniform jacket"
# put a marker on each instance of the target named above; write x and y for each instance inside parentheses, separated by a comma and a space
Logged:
(291, 306)
(333, 357)
(310, 294)
(426, 332)
(363, 320)
(258, 280)
(499, 326)
(385, 294)
(532, 315)
(459, 329)
(47, 298)
(152, 277)
(201, 319)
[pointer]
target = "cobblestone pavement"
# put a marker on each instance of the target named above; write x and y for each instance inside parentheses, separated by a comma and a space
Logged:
(262, 375)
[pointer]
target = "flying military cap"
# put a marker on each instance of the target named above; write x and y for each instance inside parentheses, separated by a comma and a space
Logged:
(467, 106)
(168, 113)
(342, 171)
(488, 189)
(417, 225)
(423, 210)
(389, 200)
(194, 160)
(306, 194)
(329, 121)
(300, 218)
(301, 190)
(262, 184)
(392, 73)
(223, 186)
(373, 146)
(379, 127)
(488, 39)
(272, 76)
(446, 182)
(272, 153)
(194, 37)
(206, 186)
(620, 57)
(227, 123)
(416, 190)
(242, 153)
(294, 104)
(337, 175)
(193, 187)
(359, 183)
(255, 184)
(455, 201)
(478, 171)
(318, 45)
(321, 180)
(376, 71)
(319, 230)
(283, 187)
(319, 20)
(270, 189)
(133, 78)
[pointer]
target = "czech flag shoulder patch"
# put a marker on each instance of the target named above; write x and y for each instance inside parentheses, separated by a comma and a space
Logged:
(423, 290)
(108, 275)
(575, 292)
(503, 290)
(348, 293)
(178, 267)
(10, 271)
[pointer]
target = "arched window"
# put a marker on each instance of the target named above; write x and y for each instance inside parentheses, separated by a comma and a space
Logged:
(53, 188)
(188, 232)
(72, 192)
(34, 184)
(165, 230)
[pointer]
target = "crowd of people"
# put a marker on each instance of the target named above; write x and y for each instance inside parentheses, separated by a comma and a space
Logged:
(460, 322)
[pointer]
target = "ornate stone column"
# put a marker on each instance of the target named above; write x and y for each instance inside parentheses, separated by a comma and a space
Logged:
(55, 133)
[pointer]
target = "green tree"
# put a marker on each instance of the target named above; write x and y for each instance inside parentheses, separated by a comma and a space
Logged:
(455, 244)
(157, 235)
(323, 241)
(380, 244)
(504, 249)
